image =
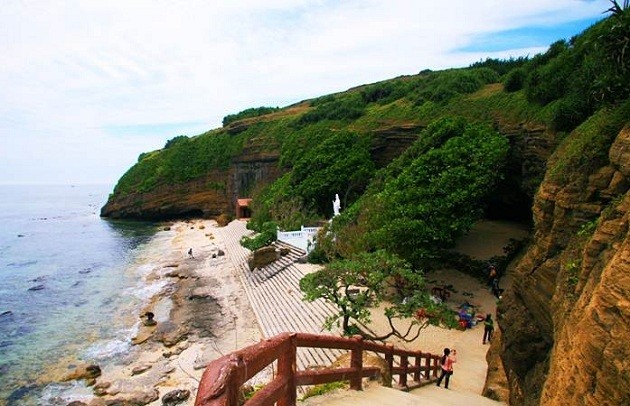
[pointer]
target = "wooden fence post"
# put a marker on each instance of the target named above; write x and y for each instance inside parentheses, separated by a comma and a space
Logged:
(356, 362)
(404, 363)
(418, 367)
(286, 370)
(389, 359)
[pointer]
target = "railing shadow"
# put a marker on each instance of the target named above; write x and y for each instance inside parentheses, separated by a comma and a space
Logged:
(223, 378)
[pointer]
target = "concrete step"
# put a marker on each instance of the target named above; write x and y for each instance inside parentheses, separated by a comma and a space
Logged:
(377, 395)
(275, 296)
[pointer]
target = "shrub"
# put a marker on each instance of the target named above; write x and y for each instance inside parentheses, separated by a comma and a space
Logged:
(515, 80)
(266, 236)
(247, 113)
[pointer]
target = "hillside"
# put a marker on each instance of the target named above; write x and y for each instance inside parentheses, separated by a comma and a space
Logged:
(417, 159)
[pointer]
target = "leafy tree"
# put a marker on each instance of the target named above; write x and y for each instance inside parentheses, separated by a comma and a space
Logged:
(175, 140)
(436, 195)
(266, 236)
(340, 164)
(367, 280)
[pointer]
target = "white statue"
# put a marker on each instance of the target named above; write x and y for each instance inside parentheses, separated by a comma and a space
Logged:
(336, 205)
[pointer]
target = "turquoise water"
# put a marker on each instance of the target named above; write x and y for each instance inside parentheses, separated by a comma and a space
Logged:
(65, 278)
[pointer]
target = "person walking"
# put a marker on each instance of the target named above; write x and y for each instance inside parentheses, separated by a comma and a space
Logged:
(447, 361)
(488, 328)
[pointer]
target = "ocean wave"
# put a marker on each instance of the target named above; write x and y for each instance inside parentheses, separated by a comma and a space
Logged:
(108, 349)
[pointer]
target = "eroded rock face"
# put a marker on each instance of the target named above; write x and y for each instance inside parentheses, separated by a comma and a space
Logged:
(565, 321)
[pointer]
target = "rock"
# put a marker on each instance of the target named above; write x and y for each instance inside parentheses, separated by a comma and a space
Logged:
(220, 253)
(564, 322)
(140, 369)
(77, 403)
(202, 227)
(6, 313)
(100, 389)
(36, 287)
(167, 228)
(170, 334)
(175, 396)
(84, 371)
(136, 398)
(143, 336)
(262, 257)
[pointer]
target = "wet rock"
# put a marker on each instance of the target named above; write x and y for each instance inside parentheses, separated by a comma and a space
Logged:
(6, 313)
(84, 371)
(36, 288)
(167, 228)
(170, 334)
(140, 369)
(77, 403)
(175, 396)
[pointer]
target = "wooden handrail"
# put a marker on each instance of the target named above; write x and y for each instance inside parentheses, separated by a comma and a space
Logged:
(223, 378)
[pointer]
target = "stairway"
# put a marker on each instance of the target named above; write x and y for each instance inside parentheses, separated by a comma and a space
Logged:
(377, 395)
(275, 296)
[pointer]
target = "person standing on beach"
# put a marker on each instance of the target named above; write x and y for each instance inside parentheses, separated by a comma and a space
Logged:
(447, 362)
(488, 328)
(190, 254)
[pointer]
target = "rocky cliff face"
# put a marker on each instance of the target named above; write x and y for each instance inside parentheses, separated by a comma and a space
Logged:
(565, 321)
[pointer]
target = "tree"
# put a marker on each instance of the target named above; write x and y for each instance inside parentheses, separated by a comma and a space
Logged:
(437, 195)
(340, 164)
(367, 280)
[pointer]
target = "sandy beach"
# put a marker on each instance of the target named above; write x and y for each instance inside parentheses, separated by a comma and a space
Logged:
(202, 313)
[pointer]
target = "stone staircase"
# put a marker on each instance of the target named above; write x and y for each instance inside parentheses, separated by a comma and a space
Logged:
(275, 295)
(376, 395)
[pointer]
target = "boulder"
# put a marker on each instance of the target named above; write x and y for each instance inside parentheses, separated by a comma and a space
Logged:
(140, 369)
(262, 257)
(100, 389)
(83, 371)
(139, 398)
(175, 396)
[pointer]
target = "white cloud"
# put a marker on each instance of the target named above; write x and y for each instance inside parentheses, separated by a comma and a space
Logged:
(70, 70)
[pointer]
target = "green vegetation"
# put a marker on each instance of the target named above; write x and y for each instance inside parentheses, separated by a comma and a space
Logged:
(398, 217)
(248, 113)
(181, 160)
(433, 192)
(324, 388)
(366, 280)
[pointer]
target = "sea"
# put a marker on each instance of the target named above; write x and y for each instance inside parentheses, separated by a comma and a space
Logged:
(71, 287)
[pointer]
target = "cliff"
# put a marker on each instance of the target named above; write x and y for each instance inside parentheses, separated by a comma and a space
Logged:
(565, 321)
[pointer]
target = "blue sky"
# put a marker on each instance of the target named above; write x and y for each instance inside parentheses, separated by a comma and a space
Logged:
(89, 85)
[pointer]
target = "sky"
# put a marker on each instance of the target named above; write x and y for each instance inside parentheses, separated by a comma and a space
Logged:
(86, 86)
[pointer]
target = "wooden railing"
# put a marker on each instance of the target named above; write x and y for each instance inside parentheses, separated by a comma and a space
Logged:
(222, 380)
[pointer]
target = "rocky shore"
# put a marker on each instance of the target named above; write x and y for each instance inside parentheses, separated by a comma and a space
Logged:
(201, 313)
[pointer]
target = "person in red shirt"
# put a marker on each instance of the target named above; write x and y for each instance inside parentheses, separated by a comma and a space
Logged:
(447, 361)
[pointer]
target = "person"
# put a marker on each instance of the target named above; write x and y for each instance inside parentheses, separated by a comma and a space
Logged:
(149, 321)
(447, 361)
(492, 274)
(190, 254)
(495, 288)
(488, 328)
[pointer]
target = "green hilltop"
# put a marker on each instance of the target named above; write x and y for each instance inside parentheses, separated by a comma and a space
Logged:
(470, 125)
